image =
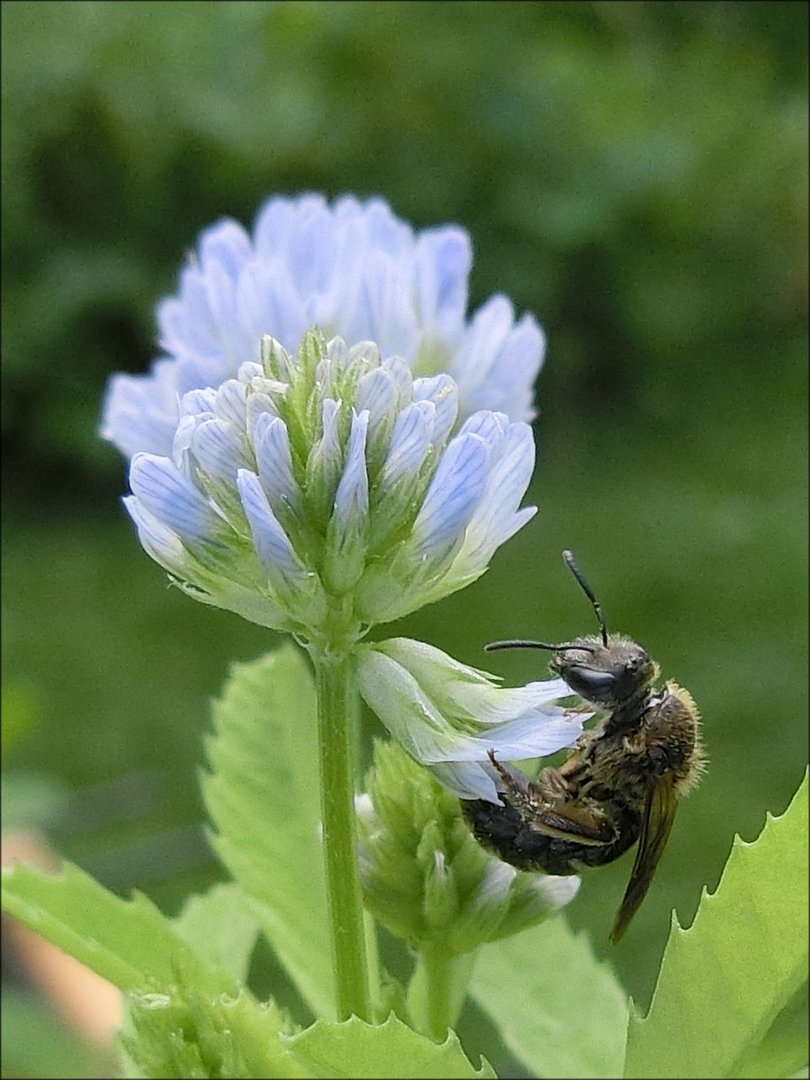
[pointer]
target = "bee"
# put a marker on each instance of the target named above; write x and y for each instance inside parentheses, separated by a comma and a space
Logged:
(622, 781)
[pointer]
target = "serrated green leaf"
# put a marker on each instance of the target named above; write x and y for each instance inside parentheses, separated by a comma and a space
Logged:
(784, 1045)
(558, 1009)
(129, 942)
(186, 1034)
(355, 1049)
(263, 798)
(725, 981)
(221, 928)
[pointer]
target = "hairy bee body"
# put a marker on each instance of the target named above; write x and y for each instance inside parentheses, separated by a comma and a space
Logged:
(622, 782)
(602, 786)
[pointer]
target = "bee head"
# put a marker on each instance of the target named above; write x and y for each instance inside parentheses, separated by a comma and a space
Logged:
(606, 674)
(607, 670)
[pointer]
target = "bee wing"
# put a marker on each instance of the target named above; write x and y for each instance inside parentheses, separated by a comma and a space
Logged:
(656, 825)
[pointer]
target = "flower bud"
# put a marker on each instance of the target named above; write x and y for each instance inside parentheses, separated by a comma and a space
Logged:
(424, 876)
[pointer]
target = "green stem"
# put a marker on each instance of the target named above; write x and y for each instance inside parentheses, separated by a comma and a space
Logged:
(437, 990)
(337, 718)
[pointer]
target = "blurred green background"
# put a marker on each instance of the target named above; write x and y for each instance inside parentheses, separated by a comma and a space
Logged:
(633, 173)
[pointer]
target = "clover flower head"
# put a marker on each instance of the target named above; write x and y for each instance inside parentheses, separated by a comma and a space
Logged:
(325, 492)
(355, 270)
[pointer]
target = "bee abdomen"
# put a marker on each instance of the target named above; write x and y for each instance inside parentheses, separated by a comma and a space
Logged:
(509, 834)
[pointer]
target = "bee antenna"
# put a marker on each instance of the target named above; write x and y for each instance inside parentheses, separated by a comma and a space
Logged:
(518, 643)
(570, 562)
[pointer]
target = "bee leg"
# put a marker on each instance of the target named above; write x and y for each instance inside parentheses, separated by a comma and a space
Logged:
(552, 785)
(544, 807)
(517, 790)
(577, 824)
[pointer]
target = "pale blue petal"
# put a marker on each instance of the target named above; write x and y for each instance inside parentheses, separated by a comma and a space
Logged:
(410, 442)
(466, 780)
(488, 425)
(327, 455)
(276, 554)
(495, 363)
(198, 402)
(483, 338)
(219, 449)
(225, 245)
(174, 501)
(157, 540)
(497, 517)
(376, 393)
(351, 498)
(250, 370)
(402, 378)
(271, 443)
(258, 405)
(181, 447)
(509, 385)
(386, 232)
(529, 736)
(230, 403)
(453, 495)
(222, 302)
(443, 392)
(385, 314)
(278, 218)
(185, 325)
(501, 704)
(269, 303)
(443, 259)
(140, 411)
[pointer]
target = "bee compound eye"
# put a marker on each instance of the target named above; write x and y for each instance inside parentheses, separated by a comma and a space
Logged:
(589, 683)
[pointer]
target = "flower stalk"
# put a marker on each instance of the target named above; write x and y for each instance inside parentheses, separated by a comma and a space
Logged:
(337, 721)
(437, 990)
